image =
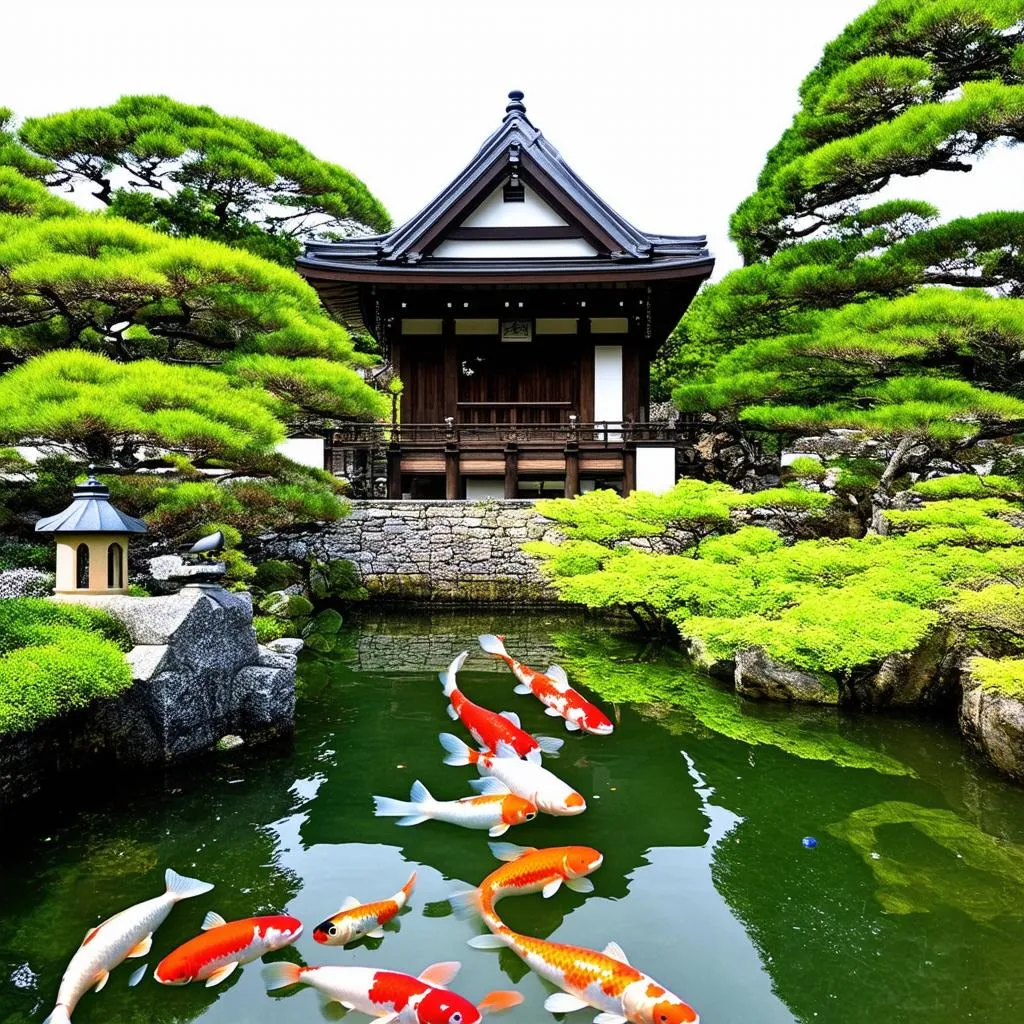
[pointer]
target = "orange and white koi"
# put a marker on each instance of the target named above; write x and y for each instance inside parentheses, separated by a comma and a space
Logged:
(356, 919)
(524, 778)
(496, 809)
(224, 946)
(527, 870)
(551, 687)
(489, 728)
(392, 997)
(126, 934)
(605, 981)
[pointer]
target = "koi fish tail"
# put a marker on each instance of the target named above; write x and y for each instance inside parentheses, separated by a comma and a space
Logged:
(181, 887)
(59, 1015)
(493, 645)
(407, 888)
(459, 752)
(448, 677)
(466, 903)
(550, 745)
(408, 812)
(281, 974)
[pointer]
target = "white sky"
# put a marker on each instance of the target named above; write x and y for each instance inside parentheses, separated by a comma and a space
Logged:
(665, 107)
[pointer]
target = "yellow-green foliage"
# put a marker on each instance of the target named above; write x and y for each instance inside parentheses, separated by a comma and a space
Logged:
(54, 658)
(997, 611)
(969, 485)
(1000, 675)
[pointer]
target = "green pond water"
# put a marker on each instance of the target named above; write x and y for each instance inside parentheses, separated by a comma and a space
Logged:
(909, 910)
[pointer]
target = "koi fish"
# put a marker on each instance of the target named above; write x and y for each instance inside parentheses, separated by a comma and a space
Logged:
(526, 870)
(524, 778)
(126, 934)
(496, 809)
(214, 955)
(489, 728)
(354, 919)
(605, 981)
(551, 687)
(391, 997)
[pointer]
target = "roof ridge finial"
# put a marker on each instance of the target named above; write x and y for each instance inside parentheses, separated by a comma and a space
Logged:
(515, 104)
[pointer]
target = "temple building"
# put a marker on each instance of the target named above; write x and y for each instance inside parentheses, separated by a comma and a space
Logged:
(521, 313)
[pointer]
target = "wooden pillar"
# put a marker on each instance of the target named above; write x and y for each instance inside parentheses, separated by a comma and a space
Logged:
(511, 471)
(451, 471)
(628, 469)
(394, 472)
(572, 469)
(450, 371)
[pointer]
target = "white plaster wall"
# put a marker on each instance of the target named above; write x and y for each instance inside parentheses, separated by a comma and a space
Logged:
(655, 469)
(607, 382)
(529, 248)
(484, 488)
(306, 451)
(494, 212)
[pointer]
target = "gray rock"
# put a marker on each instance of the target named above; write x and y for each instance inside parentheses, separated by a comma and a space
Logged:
(993, 723)
(273, 659)
(26, 583)
(229, 742)
(286, 645)
(924, 676)
(759, 676)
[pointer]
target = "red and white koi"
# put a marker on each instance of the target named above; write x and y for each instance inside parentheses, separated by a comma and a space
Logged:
(489, 728)
(496, 809)
(551, 687)
(605, 981)
(524, 778)
(356, 919)
(392, 997)
(223, 946)
(126, 934)
(527, 870)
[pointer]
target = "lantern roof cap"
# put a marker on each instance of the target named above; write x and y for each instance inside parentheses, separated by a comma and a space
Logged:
(91, 512)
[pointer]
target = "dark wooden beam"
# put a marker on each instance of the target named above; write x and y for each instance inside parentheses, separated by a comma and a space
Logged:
(394, 473)
(511, 471)
(451, 471)
(572, 470)
(628, 470)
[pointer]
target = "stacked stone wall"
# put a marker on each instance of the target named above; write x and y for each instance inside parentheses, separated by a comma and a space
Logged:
(450, 552)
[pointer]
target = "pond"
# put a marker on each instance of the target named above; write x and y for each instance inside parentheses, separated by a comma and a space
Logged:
(910, 909)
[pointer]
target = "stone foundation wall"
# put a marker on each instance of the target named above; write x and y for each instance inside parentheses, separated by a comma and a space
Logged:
(439, 551)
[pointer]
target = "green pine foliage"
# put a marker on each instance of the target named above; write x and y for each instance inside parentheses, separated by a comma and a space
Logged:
(55, 658)
(1003, 676)
(192, 171)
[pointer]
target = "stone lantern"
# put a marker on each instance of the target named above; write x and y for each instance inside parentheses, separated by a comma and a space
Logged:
(92, 541)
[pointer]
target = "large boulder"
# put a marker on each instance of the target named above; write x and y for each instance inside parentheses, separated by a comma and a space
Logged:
(993, 723)
(927, 676)
(759, 676)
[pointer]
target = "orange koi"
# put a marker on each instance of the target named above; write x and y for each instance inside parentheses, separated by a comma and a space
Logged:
(356, 919)
(551, 687)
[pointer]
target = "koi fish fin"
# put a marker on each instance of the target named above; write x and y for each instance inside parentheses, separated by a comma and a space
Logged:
(408, 887)
(387, 807)
(614, 950)
(581, 885)
(59, 1015)
(141, 949)
(101, 979)
(181, 887)
(281, 974)
(419, 794)
(509, 851)
(487, 941)
(466, 903)
(375, 933)
(521, 688)
(551, 745)
(552, 713)
(497, 830)
(212, 920)
(90, 933)
(493, 645)
(452, 713)
(137, 976)
(562, 1002)
(458, 752)
(557, 675)
(221, 973)
(388, 1018)
(412, 819)
(511, 716)
(348, 904)
(610, 1018)
(534, 756)
(506, 750)
(572, 726)
(448, 678)
(490, 786)
(551, 888)
(495, 1002)
(440, 974)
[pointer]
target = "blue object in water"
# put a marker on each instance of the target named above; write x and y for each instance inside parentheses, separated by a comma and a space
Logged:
(810, 842)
